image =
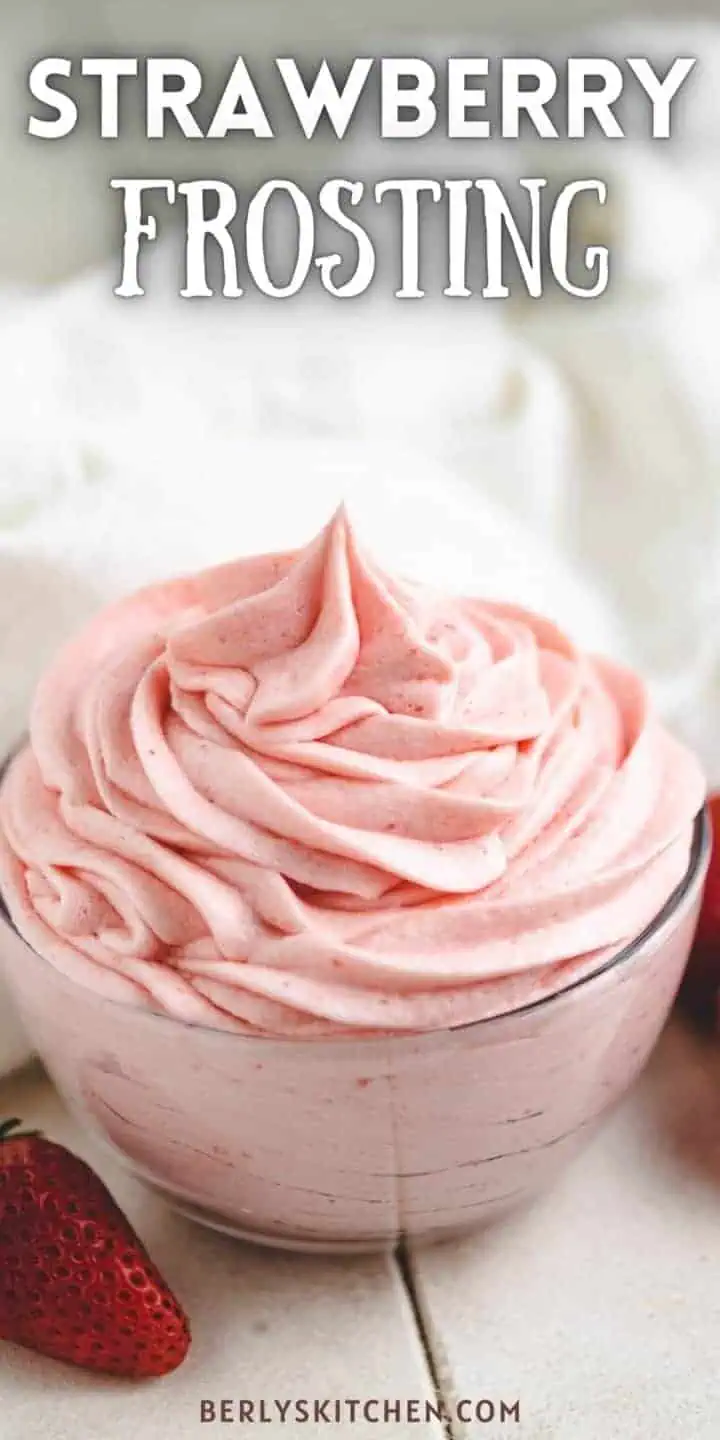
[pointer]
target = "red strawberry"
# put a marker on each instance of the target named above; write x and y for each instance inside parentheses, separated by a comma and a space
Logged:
(75, 1281)
(701, 987)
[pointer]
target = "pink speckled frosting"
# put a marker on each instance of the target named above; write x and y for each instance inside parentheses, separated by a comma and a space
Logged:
(294, 795)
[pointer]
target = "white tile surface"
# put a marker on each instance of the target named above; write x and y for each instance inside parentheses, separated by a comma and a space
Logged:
(265, 1325)
(600, 1308)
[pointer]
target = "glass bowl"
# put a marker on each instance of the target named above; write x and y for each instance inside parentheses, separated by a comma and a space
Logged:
(355, 1144)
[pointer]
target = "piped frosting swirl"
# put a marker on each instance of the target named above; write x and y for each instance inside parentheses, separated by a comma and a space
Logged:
(294, 795)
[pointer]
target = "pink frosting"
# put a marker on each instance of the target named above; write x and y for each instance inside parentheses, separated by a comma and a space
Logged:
(294, 795)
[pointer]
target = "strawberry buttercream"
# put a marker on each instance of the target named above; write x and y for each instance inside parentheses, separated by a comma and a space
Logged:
(293, 795)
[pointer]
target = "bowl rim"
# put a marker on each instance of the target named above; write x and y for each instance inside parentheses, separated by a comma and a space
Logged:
(698, 861)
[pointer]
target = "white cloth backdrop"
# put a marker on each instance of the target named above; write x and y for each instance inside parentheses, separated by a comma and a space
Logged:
(563, 454)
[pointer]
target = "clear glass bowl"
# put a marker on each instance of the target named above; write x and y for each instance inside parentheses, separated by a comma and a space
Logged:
(341, 1144)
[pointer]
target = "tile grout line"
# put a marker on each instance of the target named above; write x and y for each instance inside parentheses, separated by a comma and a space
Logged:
(407, 1278)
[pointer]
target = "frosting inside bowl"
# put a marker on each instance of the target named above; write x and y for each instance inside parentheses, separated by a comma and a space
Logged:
(295, 795)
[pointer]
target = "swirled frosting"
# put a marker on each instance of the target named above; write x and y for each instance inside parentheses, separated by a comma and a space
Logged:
(294, 795)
